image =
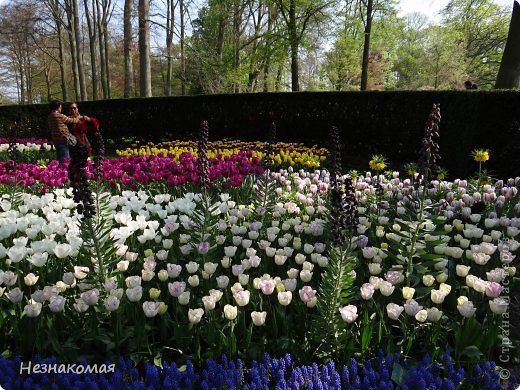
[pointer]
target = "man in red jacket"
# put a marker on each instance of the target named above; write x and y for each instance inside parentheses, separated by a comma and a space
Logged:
(57, 123)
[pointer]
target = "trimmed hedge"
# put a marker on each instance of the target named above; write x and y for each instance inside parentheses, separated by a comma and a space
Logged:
(389, 123)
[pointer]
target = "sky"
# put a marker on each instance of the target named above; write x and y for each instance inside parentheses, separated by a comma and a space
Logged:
(431, 8)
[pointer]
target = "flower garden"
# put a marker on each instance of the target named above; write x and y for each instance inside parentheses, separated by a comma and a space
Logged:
(254, 265)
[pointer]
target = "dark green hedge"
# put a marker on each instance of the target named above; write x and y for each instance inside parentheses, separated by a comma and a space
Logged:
(389, 123)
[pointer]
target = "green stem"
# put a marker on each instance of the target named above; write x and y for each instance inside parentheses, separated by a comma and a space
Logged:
(117, 331)
(479, 178)
(415, 236)
(97, 248)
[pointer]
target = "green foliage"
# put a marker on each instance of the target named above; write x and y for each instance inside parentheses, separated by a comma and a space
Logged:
(265, 195)
(98, 247)
(430, 58)
(481, 27)
(334, 338)
(342, 67)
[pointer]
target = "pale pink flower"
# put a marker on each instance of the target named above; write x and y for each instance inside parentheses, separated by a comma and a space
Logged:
(90, 297)
(412, 307)
(176, 288)
(496, 275)
(57, 303)
(386, 288)
(33, 309)
(15, 295)
(493, 289)
(195, 315)
(241, 297)
(267, 286)
(434, 314)
(307, 294)
(367, 291)
(112, 303)
(349, 313)
(209, 302)
(203, 248)
(394, 277)
(481, 258)
(258, 317)
(151, 309)
(285, 298)
(394, 311)
(467, 309)
(134, 294)
(499, 305)
(173, 270)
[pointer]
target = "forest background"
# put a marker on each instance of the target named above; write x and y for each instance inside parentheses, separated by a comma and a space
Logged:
(102, 49)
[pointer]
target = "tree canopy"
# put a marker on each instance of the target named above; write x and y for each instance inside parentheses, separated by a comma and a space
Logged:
(93, 49)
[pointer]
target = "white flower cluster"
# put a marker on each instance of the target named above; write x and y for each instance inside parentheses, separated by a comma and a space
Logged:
(450, 248)
(159, 260)
(28, 147)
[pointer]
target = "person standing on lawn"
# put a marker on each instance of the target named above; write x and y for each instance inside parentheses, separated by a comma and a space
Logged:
(57, 123)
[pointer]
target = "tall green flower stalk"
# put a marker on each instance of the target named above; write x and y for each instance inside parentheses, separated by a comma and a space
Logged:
(13, 156)
(344, 209)
(95, 233)
(265, 195)
(480, 156)
(202, 153)
(98, 151)
(204, 219)
(428, 158)
(269, 152)
(429, 155)
(98, 251)
(336, 288)
(79, 180)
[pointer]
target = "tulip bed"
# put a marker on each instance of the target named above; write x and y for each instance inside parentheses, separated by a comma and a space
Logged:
(27, 150)
(170, 271)
(283, 154)
(136, 172)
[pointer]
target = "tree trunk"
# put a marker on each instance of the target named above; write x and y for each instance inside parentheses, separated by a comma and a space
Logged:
(104, 84)
(127, 43)
(366, 46)
(183, 60)
(72, 46)
(28, 76)
(145, 77)
(509, 72)
(267, 60)
(266, 71)
(22, 86)
(28, 70)
(48, 84)
(107, 57)
(170, 24)
(54, 8)
(278, 82)
(92, 33)
(74, 65)
(79, 56)
(220, 34)
(237, 20)
(293, 41)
